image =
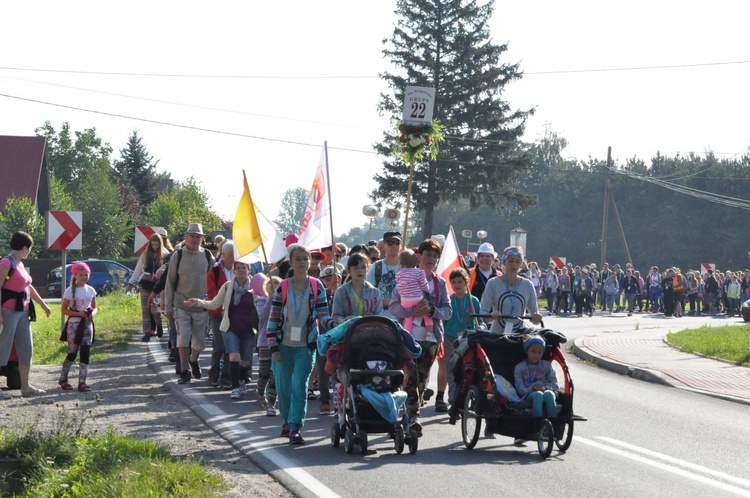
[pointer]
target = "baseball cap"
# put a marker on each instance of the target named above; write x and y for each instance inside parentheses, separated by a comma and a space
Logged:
(392, 235)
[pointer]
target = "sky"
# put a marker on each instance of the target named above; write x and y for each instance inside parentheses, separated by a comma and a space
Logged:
(300, 73)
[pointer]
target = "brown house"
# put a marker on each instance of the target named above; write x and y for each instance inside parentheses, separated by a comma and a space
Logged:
(24, 171)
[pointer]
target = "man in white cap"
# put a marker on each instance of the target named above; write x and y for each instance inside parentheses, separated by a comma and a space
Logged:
(382, 274)
(480, 274)
(186, 278)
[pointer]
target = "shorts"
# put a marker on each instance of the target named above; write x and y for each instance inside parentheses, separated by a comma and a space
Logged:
(191, 328)
(244, 344)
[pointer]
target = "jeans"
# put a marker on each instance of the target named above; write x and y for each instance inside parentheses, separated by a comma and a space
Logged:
(611, 296)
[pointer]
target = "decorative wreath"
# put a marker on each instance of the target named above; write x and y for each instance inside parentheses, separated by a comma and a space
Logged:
(414, 141)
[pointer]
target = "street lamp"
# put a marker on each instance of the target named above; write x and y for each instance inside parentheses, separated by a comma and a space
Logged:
(518, 238)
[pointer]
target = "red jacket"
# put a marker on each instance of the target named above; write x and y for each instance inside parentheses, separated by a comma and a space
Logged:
(214, 280)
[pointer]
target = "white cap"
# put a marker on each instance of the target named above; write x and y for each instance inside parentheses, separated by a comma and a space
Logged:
(486, 247)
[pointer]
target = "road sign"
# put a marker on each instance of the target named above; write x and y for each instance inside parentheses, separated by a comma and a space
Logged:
(557, 261)
(707, 266)
(419, 102)
(142, 236)
(64, 230)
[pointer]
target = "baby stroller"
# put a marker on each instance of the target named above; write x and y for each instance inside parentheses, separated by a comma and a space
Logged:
(482, 356)
(373, 400)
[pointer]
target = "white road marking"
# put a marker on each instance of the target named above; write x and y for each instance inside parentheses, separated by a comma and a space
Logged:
(668, 468)
(682, 463)
(238, 434)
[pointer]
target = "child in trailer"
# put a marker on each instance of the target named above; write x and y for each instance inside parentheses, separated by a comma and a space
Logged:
(535, 379)
(79, 305)
(411, 283)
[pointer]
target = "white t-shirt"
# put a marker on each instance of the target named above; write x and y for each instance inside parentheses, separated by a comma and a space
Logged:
(84, 296)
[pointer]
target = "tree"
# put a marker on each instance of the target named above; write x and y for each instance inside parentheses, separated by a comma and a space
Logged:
(186, 203)
(137, 170)
(292, 211)
(70, 160)
(20, 215)
(105, 225)
(445, 44)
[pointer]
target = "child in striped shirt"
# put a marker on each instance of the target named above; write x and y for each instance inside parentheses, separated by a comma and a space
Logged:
(411, 283)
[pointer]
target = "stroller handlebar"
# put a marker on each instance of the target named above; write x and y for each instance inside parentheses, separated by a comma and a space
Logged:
(375, 372)
(504, 317)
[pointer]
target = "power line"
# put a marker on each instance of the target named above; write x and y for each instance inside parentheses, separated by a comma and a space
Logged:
(349, 77)
(635, 68)
(168, 102)
(178, 75)
(176, 125)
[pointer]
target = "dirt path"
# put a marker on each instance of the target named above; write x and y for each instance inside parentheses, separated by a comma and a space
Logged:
(133, 401)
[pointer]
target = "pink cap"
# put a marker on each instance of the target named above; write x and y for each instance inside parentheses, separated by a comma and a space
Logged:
(291, 239)
(78, 266)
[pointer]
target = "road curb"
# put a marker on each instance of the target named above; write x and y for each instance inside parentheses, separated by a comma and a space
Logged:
(225, 431)
(644, 374)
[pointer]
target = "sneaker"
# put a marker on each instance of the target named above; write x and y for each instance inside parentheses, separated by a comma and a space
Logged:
(5, 395)
(172, 356)
(286, 429)
(196, 368)
(489, 434)
(243, 387)
(441, 406)
(325, 408)
(31, 391)
(235, 393)
(296, 438)
(271, 411)
(630, 313)
(611, 313)
(146, 338)
(428, 393)
(184, 377)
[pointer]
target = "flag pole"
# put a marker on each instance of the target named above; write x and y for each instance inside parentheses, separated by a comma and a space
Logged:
(330, 209)
(262, 244)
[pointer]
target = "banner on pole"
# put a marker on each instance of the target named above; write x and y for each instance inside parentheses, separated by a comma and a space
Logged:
(315, 231)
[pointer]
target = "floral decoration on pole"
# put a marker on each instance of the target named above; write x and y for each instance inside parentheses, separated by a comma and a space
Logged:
(417, 140)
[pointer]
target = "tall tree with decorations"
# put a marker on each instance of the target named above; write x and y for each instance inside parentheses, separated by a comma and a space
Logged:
(446, 45)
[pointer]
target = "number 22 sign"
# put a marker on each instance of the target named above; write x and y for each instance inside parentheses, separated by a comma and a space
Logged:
(419, 102)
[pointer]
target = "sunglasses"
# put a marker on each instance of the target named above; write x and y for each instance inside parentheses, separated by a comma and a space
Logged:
(393, 242)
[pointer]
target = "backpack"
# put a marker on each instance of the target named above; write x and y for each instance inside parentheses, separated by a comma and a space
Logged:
(378, 273)
(209, 261)
(314, 289)
(12, 268)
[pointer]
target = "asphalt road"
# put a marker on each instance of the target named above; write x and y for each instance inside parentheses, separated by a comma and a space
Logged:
(641, 440)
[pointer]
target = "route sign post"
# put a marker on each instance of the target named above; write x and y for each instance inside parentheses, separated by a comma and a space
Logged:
(64, 231)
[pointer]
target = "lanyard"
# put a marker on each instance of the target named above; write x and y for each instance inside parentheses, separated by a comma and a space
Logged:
(513, 298)
(461, 313)
(528, 372)
(295, 295)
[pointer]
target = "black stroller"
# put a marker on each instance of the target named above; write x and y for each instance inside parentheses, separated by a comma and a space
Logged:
(372, 360)
(478, 398)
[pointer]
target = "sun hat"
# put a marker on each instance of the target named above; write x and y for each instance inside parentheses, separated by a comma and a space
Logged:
(195, 228)
(487, 248)
(257, 284)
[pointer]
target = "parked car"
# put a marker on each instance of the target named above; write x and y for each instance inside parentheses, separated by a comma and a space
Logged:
(106, 276)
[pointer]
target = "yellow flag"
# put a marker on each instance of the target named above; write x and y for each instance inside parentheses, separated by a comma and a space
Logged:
(245, 231)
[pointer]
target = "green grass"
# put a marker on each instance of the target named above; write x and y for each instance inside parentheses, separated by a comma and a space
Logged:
(64, 460)
(730, 342)
(119, 317)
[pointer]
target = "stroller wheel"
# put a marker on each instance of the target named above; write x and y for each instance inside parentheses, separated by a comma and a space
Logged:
(546, 438)
(362, 442)
(398, 440)
(349, 441)
(566, 436)
(335, 435)
(413, 441)
(471, 421)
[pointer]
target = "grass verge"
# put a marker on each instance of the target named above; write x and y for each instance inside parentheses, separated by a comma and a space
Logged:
(59, 458)
(118, 319)
(730, 342)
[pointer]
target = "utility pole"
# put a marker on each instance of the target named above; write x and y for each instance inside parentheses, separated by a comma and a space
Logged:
(606, 207)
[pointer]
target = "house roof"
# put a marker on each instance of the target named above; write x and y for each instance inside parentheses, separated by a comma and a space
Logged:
(24, 170)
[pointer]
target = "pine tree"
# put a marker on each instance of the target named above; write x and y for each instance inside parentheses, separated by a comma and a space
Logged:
(137, 169)
(445, 44)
